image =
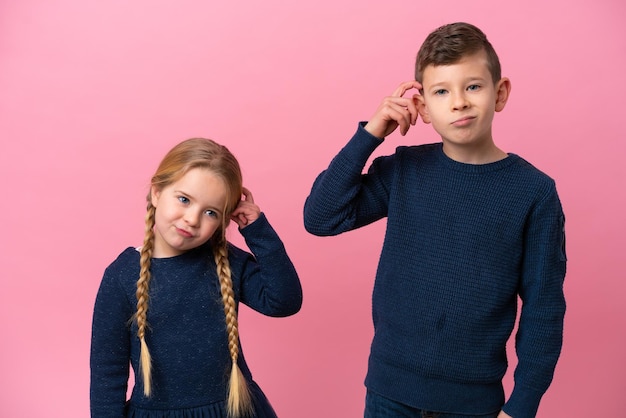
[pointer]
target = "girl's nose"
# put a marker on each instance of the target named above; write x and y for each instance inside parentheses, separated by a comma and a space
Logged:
(191, 218)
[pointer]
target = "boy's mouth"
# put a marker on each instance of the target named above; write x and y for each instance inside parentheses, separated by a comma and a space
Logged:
(464, 121)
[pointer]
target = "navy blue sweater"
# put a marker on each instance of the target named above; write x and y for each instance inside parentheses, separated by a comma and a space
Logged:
(187, 334)
(462, 243)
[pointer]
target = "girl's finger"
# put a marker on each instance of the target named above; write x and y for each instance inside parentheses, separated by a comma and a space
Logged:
(247, 194)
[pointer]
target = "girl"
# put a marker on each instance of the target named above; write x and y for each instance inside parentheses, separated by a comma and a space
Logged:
(170, 307)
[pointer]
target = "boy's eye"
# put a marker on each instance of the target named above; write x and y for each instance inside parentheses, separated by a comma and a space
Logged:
(183, 199)
(439, 92)
(474, 87)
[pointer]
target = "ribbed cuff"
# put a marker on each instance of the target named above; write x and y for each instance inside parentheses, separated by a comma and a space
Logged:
(523, 403)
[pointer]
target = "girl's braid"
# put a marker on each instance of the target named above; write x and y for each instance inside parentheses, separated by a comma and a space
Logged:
(142, 299)
(239, 397)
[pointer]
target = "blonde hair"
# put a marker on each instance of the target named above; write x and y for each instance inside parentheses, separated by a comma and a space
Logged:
(189, 154)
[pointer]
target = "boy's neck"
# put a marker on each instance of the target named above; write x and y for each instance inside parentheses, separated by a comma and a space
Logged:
(474, 153)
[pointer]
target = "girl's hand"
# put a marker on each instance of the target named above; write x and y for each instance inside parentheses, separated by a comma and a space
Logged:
(246, 211)
(394, 111)
(503, 414)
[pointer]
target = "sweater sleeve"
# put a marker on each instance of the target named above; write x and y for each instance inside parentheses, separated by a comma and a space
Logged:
(110, 350)
(269, 281)
(342, 198)
(540, 332)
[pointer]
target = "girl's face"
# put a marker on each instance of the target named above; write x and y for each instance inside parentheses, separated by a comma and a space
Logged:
(188, 212)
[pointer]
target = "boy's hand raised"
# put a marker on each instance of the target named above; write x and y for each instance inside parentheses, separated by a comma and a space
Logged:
(394, 111)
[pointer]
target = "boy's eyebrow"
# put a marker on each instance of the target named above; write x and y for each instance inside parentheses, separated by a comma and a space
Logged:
(464, 81)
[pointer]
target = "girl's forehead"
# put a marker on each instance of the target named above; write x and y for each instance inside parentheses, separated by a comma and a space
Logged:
(202, 184)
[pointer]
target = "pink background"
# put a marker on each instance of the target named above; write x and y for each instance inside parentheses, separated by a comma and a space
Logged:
(93, 93)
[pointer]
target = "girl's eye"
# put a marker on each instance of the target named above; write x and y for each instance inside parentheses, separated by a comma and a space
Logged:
(474, 87)
(183, 199)
(210, 213)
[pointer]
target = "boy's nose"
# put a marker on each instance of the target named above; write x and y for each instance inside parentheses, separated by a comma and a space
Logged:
(460, 102)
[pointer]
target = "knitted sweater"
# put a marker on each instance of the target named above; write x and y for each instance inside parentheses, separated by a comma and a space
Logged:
(187, 334)
(462, 243)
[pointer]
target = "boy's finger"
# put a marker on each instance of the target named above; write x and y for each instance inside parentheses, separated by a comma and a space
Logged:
(407, 85)
(402, 116)
(413, 109)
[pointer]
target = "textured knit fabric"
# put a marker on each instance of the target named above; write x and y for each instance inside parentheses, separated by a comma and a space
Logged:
(462, 242)
(187, 334)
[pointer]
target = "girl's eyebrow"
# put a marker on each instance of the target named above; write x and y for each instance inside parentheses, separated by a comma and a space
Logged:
(190, 197)
(182, 192)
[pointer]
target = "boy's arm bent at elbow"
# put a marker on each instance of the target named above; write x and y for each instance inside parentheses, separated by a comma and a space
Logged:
(342, 198)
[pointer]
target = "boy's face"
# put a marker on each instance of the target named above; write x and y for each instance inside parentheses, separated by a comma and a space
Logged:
(460, 100)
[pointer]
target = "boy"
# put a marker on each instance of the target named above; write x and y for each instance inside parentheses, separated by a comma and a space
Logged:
(469, 229)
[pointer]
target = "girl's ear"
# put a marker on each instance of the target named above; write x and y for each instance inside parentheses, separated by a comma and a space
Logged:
(154, 195)
(503, 90)
(418, 99)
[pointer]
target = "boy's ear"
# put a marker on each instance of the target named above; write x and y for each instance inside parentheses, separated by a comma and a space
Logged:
(418, 99)
(503, 90)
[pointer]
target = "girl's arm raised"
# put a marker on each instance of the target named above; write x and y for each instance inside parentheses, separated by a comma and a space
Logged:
(268, 282)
